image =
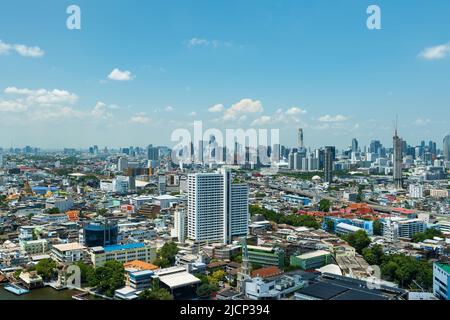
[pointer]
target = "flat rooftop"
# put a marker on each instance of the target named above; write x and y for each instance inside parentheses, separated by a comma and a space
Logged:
(179, 279)
(119, 247)
(69, 246)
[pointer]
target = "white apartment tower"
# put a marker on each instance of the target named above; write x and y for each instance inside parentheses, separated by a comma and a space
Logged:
(217, 207)
(180, 223)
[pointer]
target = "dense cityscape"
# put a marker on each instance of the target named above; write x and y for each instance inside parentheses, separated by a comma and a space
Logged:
(362, 223)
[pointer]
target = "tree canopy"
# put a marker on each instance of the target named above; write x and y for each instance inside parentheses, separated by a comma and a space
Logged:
(292, 219)
(428, 234)
(108, 278)
(358, 240)
(46, 268)
(166, 255)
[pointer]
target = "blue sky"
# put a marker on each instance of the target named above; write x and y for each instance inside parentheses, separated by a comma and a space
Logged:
(256, 63)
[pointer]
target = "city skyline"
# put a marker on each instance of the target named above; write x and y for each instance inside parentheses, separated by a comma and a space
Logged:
(130, 77)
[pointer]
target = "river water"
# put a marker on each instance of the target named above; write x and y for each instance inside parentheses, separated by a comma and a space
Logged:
(46, 293)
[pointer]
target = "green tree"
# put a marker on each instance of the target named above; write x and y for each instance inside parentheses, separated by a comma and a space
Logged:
(108, 278)
(377, 228)
(358, 240)
(87, 271)
(206, 290)
(53, 211)
(330, 225)
(155, 293)
(428, 234)
(373, 255)
(324, 205)
(167, 253)
(408, 272)
(102, 212)
(216, 277)
(46, 268)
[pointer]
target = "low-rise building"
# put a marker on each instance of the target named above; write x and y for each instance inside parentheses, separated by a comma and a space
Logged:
(34, 246)
(123, 253)
(266, 256)
(68, 253)
(312, 260)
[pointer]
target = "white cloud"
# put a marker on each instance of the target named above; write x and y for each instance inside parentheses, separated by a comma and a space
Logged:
(12, 106)
(192, 114)
(118, 75)
(216, 108)
(242, 107)
(262, 121)
(169, 109)
(42, 96)
(436, 52)
(201, 42)
(336, 118)
(21, 49)
(421, 122)
(140, 118)
(100, 111)
(295, 111)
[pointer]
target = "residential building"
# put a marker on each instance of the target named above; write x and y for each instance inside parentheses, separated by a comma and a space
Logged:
(68, 253)
(217, 207)
(123, 253)
(441, 280)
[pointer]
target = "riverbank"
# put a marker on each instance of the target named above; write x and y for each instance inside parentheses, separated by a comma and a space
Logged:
(46, 293)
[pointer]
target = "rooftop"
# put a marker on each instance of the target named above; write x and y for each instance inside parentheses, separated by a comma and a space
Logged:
(69, 246)
(124, 247)
(179, 279)
(443, 266)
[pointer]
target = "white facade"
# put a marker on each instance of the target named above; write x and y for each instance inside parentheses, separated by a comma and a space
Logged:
(180, 223)
(415, 191)
(395, 228)
(122, 164)
(63, 204)
(121, 184)
(217, 209)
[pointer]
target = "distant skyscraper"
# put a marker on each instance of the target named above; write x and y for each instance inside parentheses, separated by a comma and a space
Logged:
(397, 159)
(122, 164)
(301, 143)
(447, 148)
(152, 153)
(328, 164)
(354, 145)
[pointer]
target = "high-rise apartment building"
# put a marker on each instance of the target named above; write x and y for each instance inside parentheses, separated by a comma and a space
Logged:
(217, 207)
(152, 153)
(328, 164)
(301, 143)
(122, 164)
(447, 148)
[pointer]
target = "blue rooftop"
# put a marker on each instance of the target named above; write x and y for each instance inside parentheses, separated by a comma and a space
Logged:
(124, 247)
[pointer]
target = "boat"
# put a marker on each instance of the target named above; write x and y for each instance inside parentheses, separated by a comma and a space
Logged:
(16, 289)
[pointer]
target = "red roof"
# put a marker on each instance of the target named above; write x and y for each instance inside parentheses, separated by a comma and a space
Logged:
(266, 272)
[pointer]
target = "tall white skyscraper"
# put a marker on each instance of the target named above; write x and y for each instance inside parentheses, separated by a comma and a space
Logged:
(217, 207)
(180, 223)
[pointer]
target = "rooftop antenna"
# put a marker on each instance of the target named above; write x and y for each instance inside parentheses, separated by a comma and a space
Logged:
(396, 124)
